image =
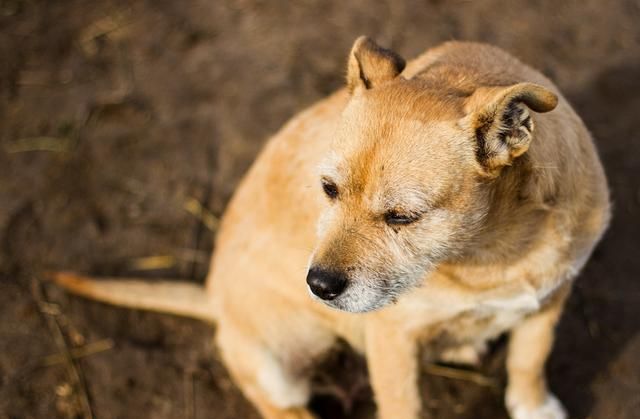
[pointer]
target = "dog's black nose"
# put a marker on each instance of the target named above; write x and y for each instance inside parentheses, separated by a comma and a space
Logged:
(326, 284)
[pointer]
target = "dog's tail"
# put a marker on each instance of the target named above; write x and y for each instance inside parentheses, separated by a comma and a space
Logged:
(174, 297)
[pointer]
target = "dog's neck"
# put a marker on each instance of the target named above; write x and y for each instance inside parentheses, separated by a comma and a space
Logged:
(520, 204)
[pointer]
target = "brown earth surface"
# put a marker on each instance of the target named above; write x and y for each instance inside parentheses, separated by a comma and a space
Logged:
(117, 116)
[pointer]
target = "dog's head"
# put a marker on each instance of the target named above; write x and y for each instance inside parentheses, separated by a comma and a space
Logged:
(405, 185)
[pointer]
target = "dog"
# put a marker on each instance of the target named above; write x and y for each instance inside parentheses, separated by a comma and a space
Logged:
(431, 207)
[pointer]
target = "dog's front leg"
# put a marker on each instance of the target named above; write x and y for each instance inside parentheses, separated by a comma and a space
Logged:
(393, 371)
(529, 346)
(274, 387)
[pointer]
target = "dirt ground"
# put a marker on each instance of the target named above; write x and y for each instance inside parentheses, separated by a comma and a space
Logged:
(118, 120)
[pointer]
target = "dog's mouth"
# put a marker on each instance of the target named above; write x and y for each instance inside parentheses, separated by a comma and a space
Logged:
(358, 299)
(362, 290)
(370, 292)
(360, 308)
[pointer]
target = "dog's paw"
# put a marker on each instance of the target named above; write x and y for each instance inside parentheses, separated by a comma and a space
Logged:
(550, 409)
(465, 355)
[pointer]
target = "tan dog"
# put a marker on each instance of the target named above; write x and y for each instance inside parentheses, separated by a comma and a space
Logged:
(441, 202)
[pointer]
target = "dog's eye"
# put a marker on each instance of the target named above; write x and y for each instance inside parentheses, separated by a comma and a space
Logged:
(330, 188)
(396, 218)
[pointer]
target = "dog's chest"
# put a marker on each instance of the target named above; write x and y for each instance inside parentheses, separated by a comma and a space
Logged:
(475, 323)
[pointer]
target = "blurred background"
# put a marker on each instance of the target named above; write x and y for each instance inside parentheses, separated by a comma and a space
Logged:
(126, 126)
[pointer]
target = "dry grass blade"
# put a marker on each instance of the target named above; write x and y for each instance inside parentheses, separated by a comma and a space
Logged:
(55, 144)
(76, 353)
(202, 213)
(460, 374)
(56, 332)
(149, 263)
(114, 25)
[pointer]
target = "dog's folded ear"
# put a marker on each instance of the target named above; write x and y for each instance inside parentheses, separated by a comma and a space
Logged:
(370, 65)
(501, 122)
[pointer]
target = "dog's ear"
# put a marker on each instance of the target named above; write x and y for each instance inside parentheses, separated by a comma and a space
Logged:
(501, 122)
(370, 65)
